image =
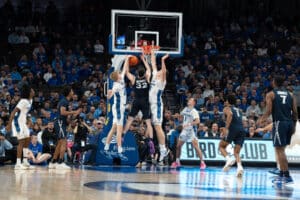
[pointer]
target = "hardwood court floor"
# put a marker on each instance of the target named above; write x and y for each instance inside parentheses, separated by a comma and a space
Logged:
(148, 183)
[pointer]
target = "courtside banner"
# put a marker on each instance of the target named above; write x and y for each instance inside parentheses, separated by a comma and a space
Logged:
(252, 151)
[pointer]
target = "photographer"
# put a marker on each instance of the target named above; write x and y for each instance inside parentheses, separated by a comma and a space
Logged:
(81, 142)
(49, 139)
(5, 145)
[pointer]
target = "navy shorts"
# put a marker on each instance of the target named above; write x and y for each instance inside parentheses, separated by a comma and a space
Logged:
(237, 137)
(140, 105)
(282, 133)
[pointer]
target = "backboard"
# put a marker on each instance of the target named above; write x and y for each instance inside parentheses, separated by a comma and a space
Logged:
(131, 29)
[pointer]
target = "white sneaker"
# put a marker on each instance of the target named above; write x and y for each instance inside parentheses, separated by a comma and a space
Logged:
(52, 165)
(20, 167)
(62, 166)
(106, 147)
(26, 164)
(120, 149)
(240, 171)
(163, 154)
(228, 164)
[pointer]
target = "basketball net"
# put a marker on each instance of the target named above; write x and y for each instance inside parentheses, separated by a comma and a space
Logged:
(147, 49)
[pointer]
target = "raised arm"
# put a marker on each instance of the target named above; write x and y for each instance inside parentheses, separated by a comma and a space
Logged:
(147, 66)
(125, 66)
(129, 75)
(153, 60)
(163, 66)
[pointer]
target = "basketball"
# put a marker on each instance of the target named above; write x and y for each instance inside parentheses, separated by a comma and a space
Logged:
(133, 61)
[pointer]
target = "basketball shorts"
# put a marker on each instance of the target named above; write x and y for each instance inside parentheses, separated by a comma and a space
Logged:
(237, 137)
(157, 112)
(282, 133)
(20, 131)
(140, 105)
(187, 135)
(118, 114)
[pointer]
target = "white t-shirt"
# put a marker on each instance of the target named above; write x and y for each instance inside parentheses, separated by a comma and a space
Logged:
(189, 115)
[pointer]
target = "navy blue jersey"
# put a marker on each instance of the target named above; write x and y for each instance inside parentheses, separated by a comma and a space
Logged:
(141, 88)
(236, 124)
(62, 103)
(282, 105)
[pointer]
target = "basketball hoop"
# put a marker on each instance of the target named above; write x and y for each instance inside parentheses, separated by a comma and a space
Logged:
(147, 49)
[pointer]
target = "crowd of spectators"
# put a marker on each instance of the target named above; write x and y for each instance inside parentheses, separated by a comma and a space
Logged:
(238, 57)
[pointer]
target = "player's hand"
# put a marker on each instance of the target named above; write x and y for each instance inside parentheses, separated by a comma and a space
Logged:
(165, 57)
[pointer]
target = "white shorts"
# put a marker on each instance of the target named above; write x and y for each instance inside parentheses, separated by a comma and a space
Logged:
(187, 135)
(157, 113)
(20, 132)
(118, 114)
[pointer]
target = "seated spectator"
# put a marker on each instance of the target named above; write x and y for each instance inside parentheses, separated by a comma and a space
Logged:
(205, 116)
(35, 153)
(253, 109)
(49, 138)
(4, 146)
(214, 132)
(244, 105)
(202, 130)
(143, 146)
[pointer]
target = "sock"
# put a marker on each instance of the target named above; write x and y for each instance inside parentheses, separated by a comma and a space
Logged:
(281, 173)
(18, 161)
(25, 160)
(162, 147)
(239, 164)
(177, 160)
(227, 157)
(286, 173)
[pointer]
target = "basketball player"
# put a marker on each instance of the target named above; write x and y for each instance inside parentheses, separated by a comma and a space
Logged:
(118, 91)
(141, 101)
(60, 127)
(283, 107)
(233, 132)
(18, 124)
(190, 120)
(158, 83)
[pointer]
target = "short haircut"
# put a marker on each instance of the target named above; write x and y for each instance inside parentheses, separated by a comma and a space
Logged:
(114, 76)
(66, 91)
(231, 99)
(25, 93)
(279, 80)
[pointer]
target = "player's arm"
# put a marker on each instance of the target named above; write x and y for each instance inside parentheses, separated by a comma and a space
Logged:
(126, 71)
(110, 93)
(148, 69)
(228, 115)
(265, 129)
(295, 112)
(163, 66)
(65, 112)
(12, 115)
(269, 104)
(153, 61)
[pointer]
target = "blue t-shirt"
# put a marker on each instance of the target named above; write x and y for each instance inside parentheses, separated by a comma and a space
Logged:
(38, 148)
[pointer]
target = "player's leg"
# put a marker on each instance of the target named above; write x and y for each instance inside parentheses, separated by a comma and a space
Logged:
(229, 161)
(147, 118)
(199, 152)
(26, 152)
(119, 137)
(240, 170)
(109, 136)
(62, 151)
(157, 113)
(176, 163)
(128, 124)
(21, 143)
(282, 133)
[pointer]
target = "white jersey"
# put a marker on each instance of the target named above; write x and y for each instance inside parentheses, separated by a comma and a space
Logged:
(189, 115)
(118, 108)
(119, 90)
(156, 89)
(19, 124)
